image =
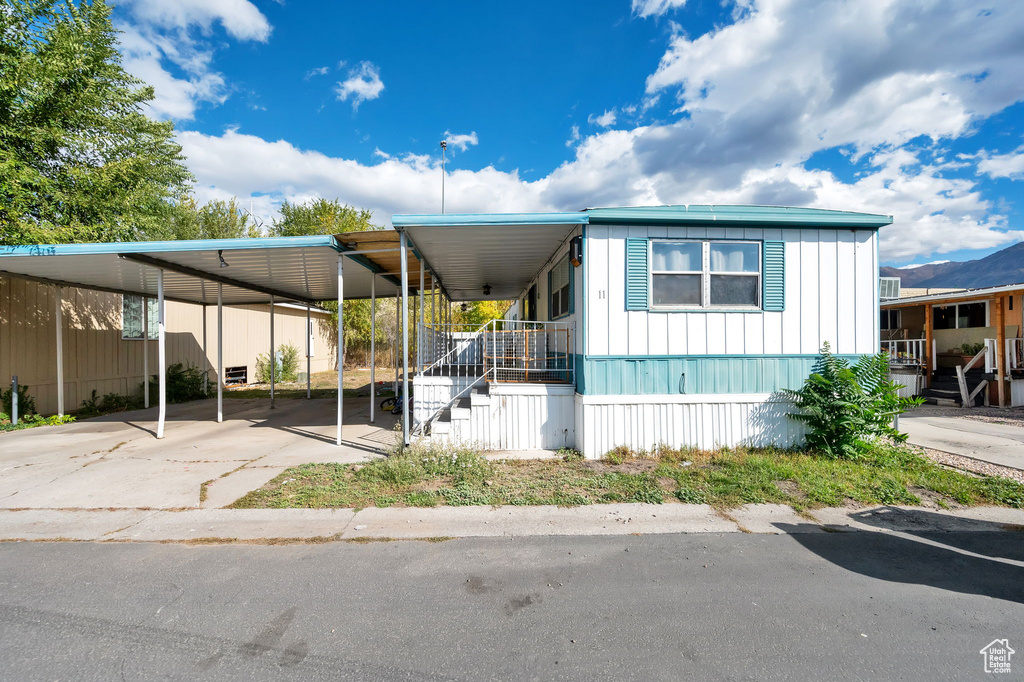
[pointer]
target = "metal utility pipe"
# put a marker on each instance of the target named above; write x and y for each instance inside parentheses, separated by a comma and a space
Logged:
(60, 353)
(220, 352)
(145, 352)
(161, 352)
(309, 358)
(341, 342)
(406, 404)
(273, 353)
(373, 343)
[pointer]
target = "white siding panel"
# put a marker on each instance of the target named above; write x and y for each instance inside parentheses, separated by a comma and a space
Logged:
(519, 417)
(739, 420)
(829, 296)
(846, 325)
(828, 286)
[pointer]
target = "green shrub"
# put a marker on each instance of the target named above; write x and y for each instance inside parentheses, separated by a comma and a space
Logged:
(26, 403)
(33, 420)
(970, 348)
(847, 407)
(111, 402)
(184, 382)
(287, 367)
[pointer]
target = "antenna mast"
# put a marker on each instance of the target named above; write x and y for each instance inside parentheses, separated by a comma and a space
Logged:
(444, 146)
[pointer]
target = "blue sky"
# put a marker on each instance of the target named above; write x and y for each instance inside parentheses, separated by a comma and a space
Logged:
(876, 105)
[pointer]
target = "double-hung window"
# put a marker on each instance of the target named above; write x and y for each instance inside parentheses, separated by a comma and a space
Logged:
(705, 274)
(561, 291)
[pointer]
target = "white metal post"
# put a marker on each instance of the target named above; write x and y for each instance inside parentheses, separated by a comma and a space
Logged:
(341, 342)
(373, 343)
(273, 353)
(405, 338)
(220, 352)
(60, 353)
(161, 352)
(206, 352)
(145, 352)
(309, 359)
(398, 327)
(419, 328)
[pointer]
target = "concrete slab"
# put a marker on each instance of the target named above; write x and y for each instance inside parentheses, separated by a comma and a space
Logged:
(769, 518)
(50, 524)
(1001, 444)
(238, 524)
(617, 519)
(115, 461)
(222, 491)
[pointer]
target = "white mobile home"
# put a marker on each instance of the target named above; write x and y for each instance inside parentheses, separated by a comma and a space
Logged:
(640, 326)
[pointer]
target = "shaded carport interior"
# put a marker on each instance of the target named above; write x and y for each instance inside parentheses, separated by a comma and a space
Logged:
(304, 270)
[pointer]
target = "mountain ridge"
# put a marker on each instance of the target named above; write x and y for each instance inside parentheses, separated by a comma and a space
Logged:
(1002, 267)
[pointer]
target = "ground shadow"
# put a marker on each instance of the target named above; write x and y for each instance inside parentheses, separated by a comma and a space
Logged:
(894, 558)
(927, 524)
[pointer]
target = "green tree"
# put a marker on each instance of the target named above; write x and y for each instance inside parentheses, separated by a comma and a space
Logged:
(79, 160)
(330, 216)
(321, 216)
(185, 219)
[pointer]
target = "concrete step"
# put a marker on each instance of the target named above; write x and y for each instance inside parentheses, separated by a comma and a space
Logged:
(461, 410)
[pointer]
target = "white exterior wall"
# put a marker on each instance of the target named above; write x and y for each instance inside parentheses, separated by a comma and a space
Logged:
(827, 271)
(1017, 393)
(700, 421)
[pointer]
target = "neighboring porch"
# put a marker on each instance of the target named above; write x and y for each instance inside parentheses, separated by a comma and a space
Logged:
(964, 348)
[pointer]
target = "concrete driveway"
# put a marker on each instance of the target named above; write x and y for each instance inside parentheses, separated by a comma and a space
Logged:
(116, 462)
(998, 443)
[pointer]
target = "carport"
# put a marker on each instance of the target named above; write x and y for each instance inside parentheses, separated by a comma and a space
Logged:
(303, 270)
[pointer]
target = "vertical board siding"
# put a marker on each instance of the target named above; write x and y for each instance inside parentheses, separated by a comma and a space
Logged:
(518, 419)
(644, 426)
(828, 295)
(1017, 393)
(96, 358)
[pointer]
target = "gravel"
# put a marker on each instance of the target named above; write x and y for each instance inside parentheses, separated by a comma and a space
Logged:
(993, 415)
(974, 466)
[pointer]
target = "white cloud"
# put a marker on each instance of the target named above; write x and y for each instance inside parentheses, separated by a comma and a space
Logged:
(1003, 165)
(240, 18)
(319, 71)
(363, 83)
(756, 98)
(574, 136)
(605, 120)
(647, 8)
(159, 45)
(461, 141)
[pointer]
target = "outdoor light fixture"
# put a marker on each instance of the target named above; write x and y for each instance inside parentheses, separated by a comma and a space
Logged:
(223, 263)
(463, 307)
(576, 251)
(487, 290)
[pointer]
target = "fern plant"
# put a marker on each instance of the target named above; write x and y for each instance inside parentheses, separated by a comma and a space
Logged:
(847, 407)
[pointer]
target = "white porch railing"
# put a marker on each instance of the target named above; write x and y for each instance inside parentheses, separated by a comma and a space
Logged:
(905, 351)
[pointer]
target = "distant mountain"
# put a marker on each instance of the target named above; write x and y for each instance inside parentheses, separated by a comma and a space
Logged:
(1001, 267)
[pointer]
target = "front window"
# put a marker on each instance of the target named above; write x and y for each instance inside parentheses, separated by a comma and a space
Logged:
(960, 315)
(560, 275)
(705, 274)
(890, 319)
(131, 318)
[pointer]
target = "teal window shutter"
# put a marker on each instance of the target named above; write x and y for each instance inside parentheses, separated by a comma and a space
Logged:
(774, 287)
(636, 274)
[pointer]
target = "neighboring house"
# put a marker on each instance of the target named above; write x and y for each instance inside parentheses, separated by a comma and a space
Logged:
(103, 343)
(929, 335)
(641, 326)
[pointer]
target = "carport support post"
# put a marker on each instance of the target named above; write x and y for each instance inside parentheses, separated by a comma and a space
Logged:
(220, 352)
(398, 327)
(421, 326)
(309, 361)
(341, 342)
(273, 353)
(403, 252)
(373, 342)
(145, 352)
(59, 323)
(161, 352)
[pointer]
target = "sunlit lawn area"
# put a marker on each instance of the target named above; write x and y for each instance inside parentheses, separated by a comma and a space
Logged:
(421, 477)
(356, 383)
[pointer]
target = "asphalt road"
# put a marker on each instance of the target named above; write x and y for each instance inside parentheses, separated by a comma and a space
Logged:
(845, 606)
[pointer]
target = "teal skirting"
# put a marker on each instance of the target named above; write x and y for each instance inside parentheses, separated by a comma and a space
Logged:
(692, 374)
